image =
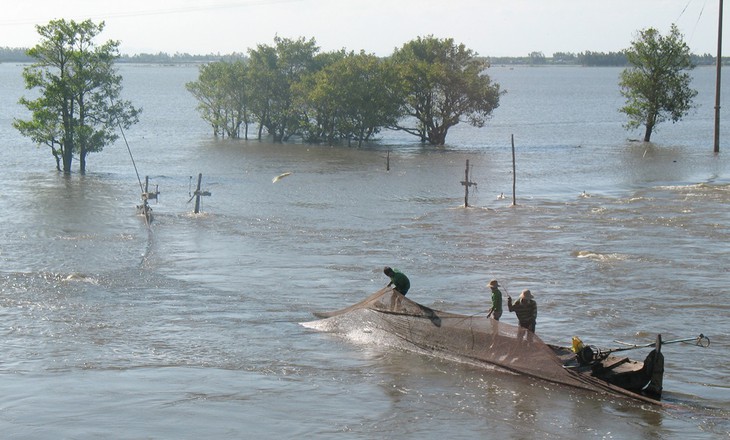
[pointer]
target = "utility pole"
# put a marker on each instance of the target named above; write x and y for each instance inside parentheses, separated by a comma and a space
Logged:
(717, 81)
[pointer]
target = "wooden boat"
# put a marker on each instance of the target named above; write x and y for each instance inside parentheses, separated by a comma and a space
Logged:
(390, 318)
(643, 378)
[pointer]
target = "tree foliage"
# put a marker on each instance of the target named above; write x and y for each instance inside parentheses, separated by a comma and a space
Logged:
(291, 89)
(222, 92)
(657, 85)
(444, 84)
(351, 98)
(78, 107)
(274, 73)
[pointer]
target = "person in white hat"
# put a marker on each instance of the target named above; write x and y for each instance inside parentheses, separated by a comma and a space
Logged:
(525, 308)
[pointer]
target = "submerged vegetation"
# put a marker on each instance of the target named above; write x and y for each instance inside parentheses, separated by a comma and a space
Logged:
(291, 89)
(77, 108)
(657, 85)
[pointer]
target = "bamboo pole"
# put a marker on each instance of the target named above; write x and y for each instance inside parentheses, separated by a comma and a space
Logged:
(466, 185)
(197, 194)
(514, 174)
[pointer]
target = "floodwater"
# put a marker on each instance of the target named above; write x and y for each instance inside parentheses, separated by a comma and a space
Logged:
(190, 328)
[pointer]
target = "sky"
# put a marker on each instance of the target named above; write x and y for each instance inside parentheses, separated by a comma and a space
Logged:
(488, 27)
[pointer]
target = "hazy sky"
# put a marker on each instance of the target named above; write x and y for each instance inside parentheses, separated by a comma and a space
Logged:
(489, 27)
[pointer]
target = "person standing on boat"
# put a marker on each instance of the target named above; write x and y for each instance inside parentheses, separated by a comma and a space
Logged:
(496, 310)
(525, 308)
(400, 283)
(398, 280)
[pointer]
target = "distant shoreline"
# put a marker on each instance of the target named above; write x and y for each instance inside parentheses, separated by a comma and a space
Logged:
(589, 59)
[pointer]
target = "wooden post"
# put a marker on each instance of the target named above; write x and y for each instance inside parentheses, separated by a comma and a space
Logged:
(197, 194)
(514, 174)
(147, 194)
(467, 184)
(387, 162)
(145, 208)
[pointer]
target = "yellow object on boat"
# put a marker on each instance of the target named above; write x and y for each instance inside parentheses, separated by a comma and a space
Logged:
(577, 344)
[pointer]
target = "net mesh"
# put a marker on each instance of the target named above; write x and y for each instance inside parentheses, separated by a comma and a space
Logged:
(475, 339)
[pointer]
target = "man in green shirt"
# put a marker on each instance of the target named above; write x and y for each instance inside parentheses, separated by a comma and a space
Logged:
(398, 280)
(400, 283)
(496, 310)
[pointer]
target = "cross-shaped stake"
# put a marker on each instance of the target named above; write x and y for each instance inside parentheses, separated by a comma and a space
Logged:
(198, 193)
(467, 184)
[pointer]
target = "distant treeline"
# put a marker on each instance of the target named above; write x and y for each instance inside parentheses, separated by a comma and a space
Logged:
(587, 58)
(14, 55)
(178, 58)
(18, 55)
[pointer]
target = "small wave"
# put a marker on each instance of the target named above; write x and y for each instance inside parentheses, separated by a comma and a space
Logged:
(191, 214)
(599, 256)
(77, 237)
(78, 277)
(320, 325)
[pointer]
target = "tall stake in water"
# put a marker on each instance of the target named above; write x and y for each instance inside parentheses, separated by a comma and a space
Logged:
(514, 174)
(467, 183)
(717, 81)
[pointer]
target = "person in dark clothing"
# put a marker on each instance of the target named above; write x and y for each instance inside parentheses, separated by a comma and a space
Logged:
(398, 280)
(525, 308)
(400, 283)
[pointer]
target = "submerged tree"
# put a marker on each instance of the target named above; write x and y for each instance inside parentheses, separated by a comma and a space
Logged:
(274, 72)
(657, 86)
(444, 85)
(351, 98)
(291, 89)
(78, 108)
(222, 92)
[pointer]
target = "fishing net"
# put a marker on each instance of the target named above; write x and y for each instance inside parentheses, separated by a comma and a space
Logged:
(473, 339)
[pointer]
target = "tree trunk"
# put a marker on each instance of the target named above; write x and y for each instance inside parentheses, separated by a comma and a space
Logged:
(82, 162)
(68, 141)
(67, 156)
(649, 130)
(650, 122)
(57, 155)
(278, 134)
(437, 136)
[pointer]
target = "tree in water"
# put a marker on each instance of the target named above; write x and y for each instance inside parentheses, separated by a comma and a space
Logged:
(657, 85)
(273, 73)
(78, 109)
(222, 91)
(443, 84)
(351, 98)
